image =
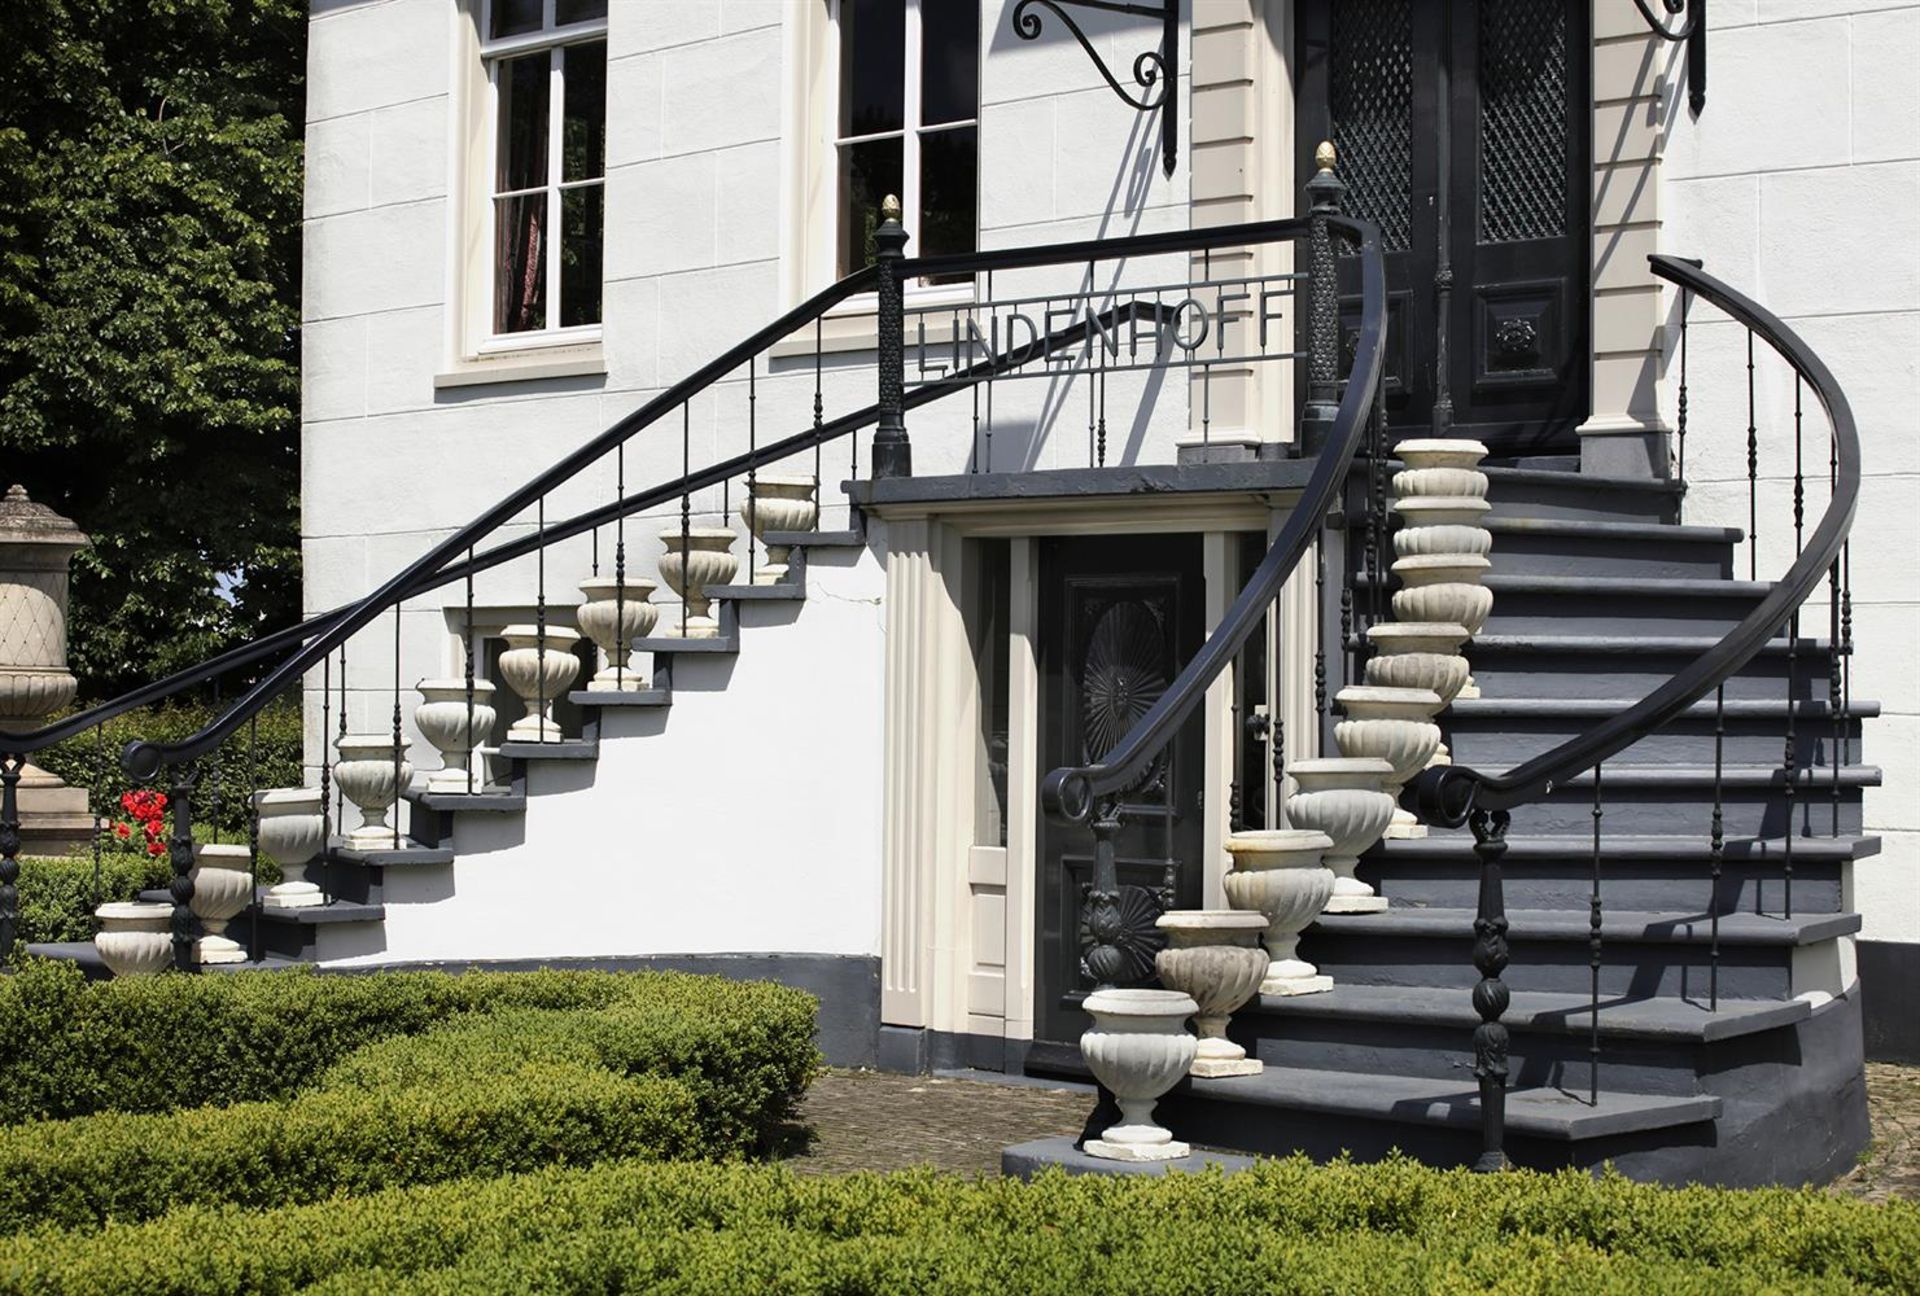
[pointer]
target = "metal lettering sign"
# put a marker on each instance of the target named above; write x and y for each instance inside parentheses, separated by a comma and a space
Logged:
(1192, 325)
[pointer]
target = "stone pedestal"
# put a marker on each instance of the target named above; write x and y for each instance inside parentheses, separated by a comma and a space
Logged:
(1341, 797)
(1138, 1047)
(1213, 956)
(1279, 872)
(36, 545)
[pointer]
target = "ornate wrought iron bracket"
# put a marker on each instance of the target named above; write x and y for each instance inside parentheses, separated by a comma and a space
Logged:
(1152, 69)
(1692, 30)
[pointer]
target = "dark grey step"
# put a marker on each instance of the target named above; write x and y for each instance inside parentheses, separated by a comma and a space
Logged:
(1623, 606)
(573, 749)
(1678, 799)
(1641, 954)
(1651, 873)
(488, 800)
(1525, 492)
(1567, 547)
(409, 854)
(773, 592)
(1487, 731)
(340, 911)
(1610, 665)
(673, 646)
(83, 955)
(818, 539)
(653, 697)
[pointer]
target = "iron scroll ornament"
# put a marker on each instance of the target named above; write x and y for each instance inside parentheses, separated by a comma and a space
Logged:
(1152, 69)
(1692, 30)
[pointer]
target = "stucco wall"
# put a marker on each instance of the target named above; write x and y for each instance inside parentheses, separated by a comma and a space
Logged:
(1800, 185)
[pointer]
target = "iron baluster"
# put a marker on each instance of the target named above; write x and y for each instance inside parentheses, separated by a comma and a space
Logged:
(1206, 369)
(1833, 688)
(253, 838)
(596, 551)
(1680, 422)
(340, 793)
(818, 407)
(624, 647)
(1793, 662)
(1377, 511)
(97, 798)
(399, 792)
(1716, 846)
(1103, 413)
(10, 766)
(1593, 952)
(1320, 639)
(1323, 302)
(1846, 640)
(1279, 765)
(539, 619)
(1490, 995)
(466, 638)
(993, 340)
(1753, 474)
(686, 511)
(213, 796)
(892, 453)
(326, 766)
(1348, 648)
(753, 441)
(180, 853)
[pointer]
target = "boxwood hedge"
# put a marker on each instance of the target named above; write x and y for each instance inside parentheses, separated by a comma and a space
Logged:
(69, 1047)
(1284, 1226)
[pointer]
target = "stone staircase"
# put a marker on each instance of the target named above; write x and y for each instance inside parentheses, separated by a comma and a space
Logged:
(1600, 595)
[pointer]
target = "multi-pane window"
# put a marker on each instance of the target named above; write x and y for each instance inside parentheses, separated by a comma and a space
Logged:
(546, 66)
(908, 123)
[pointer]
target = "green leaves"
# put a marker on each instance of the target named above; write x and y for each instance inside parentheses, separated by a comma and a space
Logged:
(150, 200)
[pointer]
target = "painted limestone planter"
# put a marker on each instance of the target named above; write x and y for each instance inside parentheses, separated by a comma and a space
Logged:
(704, 559)
(444, 721)
(539, 666)
(135, 937)
(1443, 587)
(1138, 1047)
(1395, 724)
(1442, 511)
(366, 775)
(222, 886)
(1282, 874)
(292, 831)
(778, 504)
(1439, 452)
(1214, 956)
(1341, 796)
(1437, 673)
(614, 615)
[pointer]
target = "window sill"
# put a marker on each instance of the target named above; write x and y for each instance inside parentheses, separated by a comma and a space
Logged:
(854, 325)
(530, 365)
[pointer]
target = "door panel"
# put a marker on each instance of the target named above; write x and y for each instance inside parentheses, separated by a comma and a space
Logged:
(1119, 617)
(1465, 121)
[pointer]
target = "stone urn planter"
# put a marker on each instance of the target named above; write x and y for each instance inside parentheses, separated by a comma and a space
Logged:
(292, 832)
(539, 666)
(1442, 511)
(778, 504)
(614, 615)
(443, 720)
(366, 775)
(1214, 957)
(1417, 541)
(1396, 725)
(705, 559)
(222, 887)
(1440, 452)
(1443, 587)
(135, 937)
(1437, 673)
(1138, 1047)
(1341, 796)
(1281, 874)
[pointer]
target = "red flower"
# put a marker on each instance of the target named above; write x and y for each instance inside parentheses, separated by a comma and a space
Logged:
(156, 829)
(123, 830)
(155, 848)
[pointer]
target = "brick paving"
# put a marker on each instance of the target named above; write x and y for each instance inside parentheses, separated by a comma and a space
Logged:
(865, 1120)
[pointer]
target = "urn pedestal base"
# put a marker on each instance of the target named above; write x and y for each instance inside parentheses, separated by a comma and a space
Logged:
(1404, 826)
(1168, 1149)
(1219, 1068)
(1356, 904)
(213, 948)
(294, 895)
(1297, 985)
(53, 817)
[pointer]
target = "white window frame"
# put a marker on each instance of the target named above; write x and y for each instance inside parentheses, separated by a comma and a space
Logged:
(493, 53)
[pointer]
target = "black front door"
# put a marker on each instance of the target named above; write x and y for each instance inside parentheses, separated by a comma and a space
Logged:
(1119, 617)
(1463, 129)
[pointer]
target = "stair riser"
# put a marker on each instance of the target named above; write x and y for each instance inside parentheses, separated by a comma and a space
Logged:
(1645, 888)
(1588, 675)
(293, 940)
(1640, 970)
(1745, 812)
(1580, 501)
(1534, 612)
(1517, 554)
(1417, 1049)
(1493, 741)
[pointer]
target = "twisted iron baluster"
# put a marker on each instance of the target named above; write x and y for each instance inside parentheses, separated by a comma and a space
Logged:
(10, 765)
(186, 928)
(1103, 413)
(623, 647)
(399, 791)
(340, 793)
(753, 434)
(326, 767)
(993, 340)
(253, 838)
(1320, 639)
(1793, 660)
(1594, 951)
(1716, 845)
(1680, 426)
(1279, 766)
(1490, 995)
(1753, 474)
(540, 619)
(466, 639)
(818, 408)
(686, 511)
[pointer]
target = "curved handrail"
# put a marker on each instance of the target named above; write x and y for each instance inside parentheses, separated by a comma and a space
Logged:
(1447, 794)
(1070, 792)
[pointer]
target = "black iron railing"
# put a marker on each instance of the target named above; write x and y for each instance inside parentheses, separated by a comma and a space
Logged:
(1455, 795)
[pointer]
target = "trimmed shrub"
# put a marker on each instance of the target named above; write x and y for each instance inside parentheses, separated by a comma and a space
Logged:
(69, 1047)
(57, 893)
(85, 1171)
(1285, 1226)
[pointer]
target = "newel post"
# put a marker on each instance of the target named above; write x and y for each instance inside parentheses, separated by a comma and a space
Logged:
(1104, 961)
(186, 927)
(1490, 996)
(892, 453)
(1324, 192)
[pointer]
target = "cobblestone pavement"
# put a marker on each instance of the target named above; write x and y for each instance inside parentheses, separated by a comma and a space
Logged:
(1890, 1167)
(865, 1120)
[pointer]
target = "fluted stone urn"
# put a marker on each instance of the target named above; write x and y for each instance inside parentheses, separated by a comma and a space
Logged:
(1421, 511)
(702, 558)
(1138, 1047)
(366, 775)
(1342, 797)
(778, 504)
(1443, 587)
(444, 720)
(36, 545)
(222, 886)
(1214, 956)
(1441, 452)
(1422, 655)
(615, 613)
(539, 665)
(1281, 874)
(292, 829)
(1395, 724)
(135, 937)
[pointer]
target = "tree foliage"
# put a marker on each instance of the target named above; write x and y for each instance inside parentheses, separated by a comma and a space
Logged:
(150, 191)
